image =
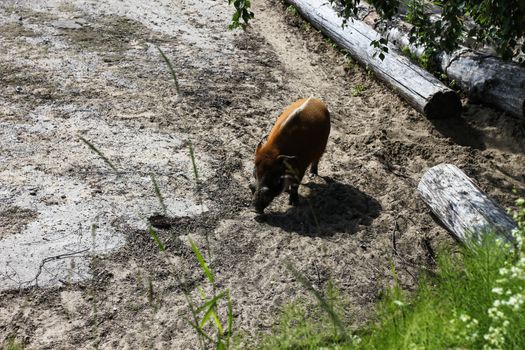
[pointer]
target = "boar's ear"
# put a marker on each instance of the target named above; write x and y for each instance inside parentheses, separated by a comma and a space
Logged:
(263, 141)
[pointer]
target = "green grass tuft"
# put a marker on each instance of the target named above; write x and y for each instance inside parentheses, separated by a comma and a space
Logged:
(357, 90)
(431, 319)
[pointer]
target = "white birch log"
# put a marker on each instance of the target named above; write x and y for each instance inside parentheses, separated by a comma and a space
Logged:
(484, 78)
(420, 88)
(461, 206)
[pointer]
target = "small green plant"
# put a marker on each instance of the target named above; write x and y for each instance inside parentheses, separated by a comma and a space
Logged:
(156, 239)
(13, 344)
(357, 90)
(307, 26)
(454, 85)
(330, 42)
(349, 63)
(339, 332)
(426, 61)
(292, 10)
(406, 51)
(220, 334)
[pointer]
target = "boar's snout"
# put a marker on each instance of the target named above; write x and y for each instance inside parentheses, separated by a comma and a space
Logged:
(262, 198)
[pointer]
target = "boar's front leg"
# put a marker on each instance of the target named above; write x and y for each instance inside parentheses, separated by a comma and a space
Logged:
(294, 195)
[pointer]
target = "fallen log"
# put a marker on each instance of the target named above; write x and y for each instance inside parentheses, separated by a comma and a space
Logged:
(422, 90)
(488, 80)
(484, 78)
(461, 206)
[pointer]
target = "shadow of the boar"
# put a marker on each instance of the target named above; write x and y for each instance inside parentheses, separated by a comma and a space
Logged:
(329, 208)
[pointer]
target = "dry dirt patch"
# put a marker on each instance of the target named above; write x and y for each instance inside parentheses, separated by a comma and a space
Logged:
(91, 68)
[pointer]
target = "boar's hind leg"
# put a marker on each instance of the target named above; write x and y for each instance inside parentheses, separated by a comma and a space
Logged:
(314, 168)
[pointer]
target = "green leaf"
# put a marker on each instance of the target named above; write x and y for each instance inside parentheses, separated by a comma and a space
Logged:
(236, 16)
(204, 267)
(155, 237)
(211, 302)
(207, 316)
(218, 323)
(193, 162)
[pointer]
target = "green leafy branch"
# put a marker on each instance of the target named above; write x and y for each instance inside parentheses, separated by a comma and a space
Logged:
(242, 12)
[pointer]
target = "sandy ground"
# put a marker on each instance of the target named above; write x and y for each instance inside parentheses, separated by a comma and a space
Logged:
(78, 268)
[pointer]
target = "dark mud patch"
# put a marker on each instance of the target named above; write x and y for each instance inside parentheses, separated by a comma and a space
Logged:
(15, 219)
(114, 32)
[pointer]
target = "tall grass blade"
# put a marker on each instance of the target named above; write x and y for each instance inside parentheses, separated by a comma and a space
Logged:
(170, 66)
(157, 193)
(155, 237)
(230, 316)
(203, 264)
(97, 151)
(322, 301)
(193, 163)
(218, 323)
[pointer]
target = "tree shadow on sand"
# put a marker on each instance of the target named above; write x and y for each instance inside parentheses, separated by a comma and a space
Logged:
(460, 131)
(329, 208)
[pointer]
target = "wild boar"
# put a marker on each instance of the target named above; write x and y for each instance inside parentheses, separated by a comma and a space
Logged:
(297, 140)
